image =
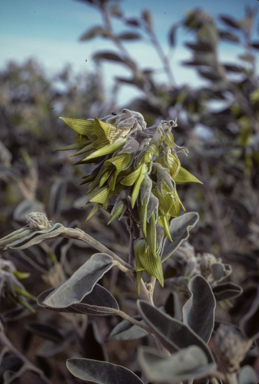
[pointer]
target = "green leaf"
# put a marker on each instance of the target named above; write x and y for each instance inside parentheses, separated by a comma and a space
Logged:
(81, 283)
(185, 176)
(100, 372)
(174, 334)
(82, 127)
(180, 228)
(151, 234)
(99, 302)
(189, 363)
(199, 310)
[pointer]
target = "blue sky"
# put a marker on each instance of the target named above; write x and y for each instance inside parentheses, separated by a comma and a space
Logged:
(49, 31)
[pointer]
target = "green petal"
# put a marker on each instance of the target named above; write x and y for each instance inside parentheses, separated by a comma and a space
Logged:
(116, 213)
(101, 196)
(107, 149)
(185, 176)
(142, 212)
(85, 149)
(131, 178)
(72, 146)
(151, 234)
(105, 176)
(163, 221)
(82, 127)
(135, 193)
(93, 211)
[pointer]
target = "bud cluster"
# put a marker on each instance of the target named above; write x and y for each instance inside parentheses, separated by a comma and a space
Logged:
(140, 167)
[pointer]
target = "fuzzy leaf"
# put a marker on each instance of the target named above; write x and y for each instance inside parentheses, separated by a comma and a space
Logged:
(179, 229)
(81, 283)
(174, 334)
(125, 330)
(99, 302)
(100, 372)
(247, 375)
(37, 237)
(220, 271)
(226, 291)
(189, 363)
(199, 310)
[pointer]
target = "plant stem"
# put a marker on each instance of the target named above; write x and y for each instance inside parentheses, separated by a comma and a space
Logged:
(133, 321)
(76, 233)
(26, 363)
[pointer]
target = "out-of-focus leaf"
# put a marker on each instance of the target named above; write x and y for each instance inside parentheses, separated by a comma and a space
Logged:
(132, 21)
(108, 56)
(8, 174)
(229, 21)
(199, 310)
(171, 35)
(174, 334)
(25, 207)
(225, 35)
(189, 363)
(37, 237)
(94, 32)
(46, 331)
(81, 283)
(220, 271)
(57, 194)
(210, 75)
(49, 349)
(250, 323)
(255, 44)
(180, 228)
(100, 302)
(91, 344)
(247, 375)
(99, 372)
(226, 291)
(125, 330)
(200, 47)
(173, 306)
(233, 68)
(146, 16)
(129, 36)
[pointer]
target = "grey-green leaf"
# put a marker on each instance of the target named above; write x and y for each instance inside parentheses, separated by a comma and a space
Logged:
(199, 310)
(125, 330)
(100, 302)
(180, 228)
(247, 375)
(226, 291)
(220, 271)
(183, 365)
(81, 283)
(250, 323)
(37, 237)
(100, 372)
(173, 333)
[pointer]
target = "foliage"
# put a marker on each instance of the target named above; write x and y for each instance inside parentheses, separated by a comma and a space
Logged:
(91, 305)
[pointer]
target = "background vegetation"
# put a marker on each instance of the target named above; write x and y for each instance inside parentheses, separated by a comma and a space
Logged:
(219, 124)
